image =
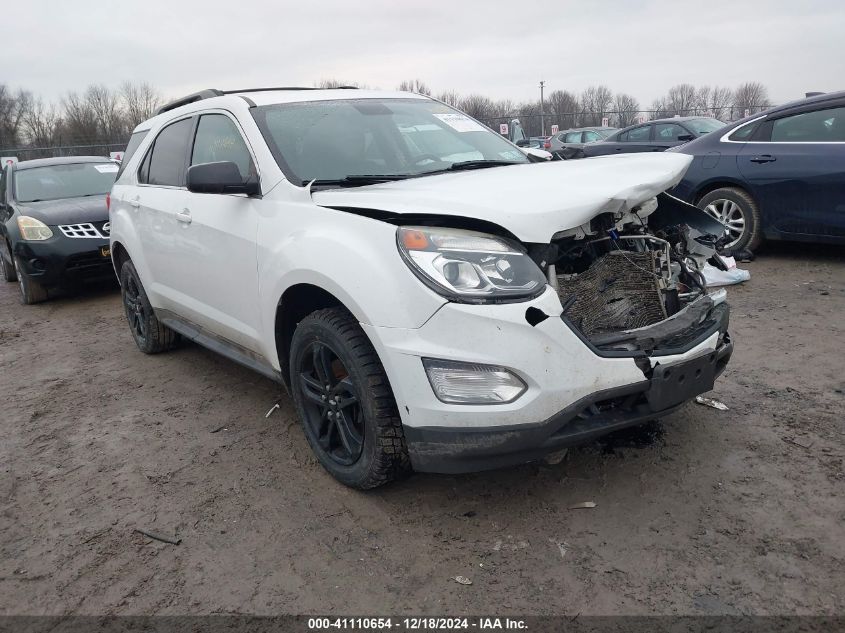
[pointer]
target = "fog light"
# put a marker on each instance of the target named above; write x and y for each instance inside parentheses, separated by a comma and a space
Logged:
(470, 383)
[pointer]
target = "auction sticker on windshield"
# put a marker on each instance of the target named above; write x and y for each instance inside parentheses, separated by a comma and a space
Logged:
(460, 123)
(107, 168)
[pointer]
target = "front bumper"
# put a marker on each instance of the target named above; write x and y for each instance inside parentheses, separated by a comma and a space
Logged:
(62, 261)
(575, 392)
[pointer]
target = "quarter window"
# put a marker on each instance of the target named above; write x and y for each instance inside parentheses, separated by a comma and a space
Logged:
(165, 163)
(811, 127)
(218, 139)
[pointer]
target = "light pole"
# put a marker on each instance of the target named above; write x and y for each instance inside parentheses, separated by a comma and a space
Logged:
(542, 119)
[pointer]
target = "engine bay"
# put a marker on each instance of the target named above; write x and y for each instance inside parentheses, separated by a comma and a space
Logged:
(629, 270)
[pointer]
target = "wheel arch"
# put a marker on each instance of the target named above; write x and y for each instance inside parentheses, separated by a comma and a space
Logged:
(297, 302)
(119, 255)
(720, 183)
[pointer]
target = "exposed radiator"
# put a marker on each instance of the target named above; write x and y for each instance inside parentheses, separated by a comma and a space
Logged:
(619, 291)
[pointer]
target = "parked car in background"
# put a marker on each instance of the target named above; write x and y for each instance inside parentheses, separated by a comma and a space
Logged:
(654, 136)
(55, 228)
(775, 175)
(569, 142)
(543, 142)
(272, 225)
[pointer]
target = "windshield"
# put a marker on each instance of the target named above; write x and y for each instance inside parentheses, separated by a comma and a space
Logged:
(55, 182)
(332, 140)
(704, 126)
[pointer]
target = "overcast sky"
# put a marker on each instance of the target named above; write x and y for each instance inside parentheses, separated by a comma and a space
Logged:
(500, 49)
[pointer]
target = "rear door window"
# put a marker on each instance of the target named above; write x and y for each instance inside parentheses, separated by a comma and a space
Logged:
(166, 163)
(811, 127)
(668, 132)
(637, 135)
(573, 137)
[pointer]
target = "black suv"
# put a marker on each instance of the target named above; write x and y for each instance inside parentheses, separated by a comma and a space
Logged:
(54, 223)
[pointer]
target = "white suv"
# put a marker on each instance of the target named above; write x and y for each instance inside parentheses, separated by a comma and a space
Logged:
(432, 297)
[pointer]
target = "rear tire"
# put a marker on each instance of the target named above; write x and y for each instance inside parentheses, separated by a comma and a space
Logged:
(8, 270)
(150, 335)
(344, 401)
(736, 208)
(31, 291)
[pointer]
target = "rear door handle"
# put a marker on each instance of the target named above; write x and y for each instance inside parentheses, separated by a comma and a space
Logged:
(763, 158)
(184, 216)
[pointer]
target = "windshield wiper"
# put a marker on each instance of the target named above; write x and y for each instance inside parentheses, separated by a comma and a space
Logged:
(478, 164)
(360, 179)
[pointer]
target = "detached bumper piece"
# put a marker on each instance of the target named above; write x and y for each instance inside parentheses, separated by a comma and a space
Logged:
(451, 451)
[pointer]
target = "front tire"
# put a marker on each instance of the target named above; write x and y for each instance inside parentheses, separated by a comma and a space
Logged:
(8, 270)
(150, 335)
(344, 401)
(735, 208)
(31, 291)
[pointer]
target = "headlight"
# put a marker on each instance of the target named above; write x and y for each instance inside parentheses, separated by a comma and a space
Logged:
(472, 383)
(468, 266)
(33, 230)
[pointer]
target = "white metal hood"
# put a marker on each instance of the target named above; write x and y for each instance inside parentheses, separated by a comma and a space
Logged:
(532, 201)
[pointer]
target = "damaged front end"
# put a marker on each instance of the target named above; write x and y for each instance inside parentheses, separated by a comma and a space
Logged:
(631, 282)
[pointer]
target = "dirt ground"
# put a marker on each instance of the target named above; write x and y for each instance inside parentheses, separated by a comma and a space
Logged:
(707, 512)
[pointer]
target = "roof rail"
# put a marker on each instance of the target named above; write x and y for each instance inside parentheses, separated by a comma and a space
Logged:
(213, 92)
(197, 96)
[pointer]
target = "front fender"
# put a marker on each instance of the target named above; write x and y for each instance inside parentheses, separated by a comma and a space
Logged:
(352, 257)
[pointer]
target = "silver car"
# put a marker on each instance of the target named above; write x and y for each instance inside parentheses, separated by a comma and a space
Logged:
(568, 142)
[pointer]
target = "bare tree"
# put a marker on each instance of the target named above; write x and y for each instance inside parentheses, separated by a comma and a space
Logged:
(477, 106)
(720, 102)
(139, 102)
(751, 96)
(414, 85)
(450, 97)
(563, 108)
(336, 83)
(681, 100)
(42, 125)
(595, 103)
(627, 108)
(80, 120)
(105, 105)
(13, 108)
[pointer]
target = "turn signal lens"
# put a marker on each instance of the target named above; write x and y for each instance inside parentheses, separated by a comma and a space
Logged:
(33, 230)
(414, 240)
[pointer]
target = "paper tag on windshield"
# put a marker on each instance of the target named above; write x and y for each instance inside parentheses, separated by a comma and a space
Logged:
(460, 122)
(106, 168)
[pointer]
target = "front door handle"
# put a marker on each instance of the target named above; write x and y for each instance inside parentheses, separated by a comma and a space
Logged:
(135, 202)
(184, 216)
(763, 158)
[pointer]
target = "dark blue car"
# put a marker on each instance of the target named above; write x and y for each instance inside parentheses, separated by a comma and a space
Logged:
(779, 174)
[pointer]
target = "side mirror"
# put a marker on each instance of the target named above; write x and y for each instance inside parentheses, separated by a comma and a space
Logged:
(685, 137)
(222, 177)
(523, 142)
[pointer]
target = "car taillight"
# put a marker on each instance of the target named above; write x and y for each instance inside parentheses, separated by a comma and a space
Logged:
(108, 202)
(547, 145)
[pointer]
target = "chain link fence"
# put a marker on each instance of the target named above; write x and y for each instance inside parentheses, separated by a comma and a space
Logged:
(31, 153)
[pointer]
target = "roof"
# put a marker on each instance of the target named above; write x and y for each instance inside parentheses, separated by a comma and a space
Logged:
(264, 97)
(828, 96)
(588, 128)
(63, 160)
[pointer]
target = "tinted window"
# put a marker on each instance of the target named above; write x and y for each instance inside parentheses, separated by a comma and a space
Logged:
(55, 182)
(328, 140)
(573, 137)
(637, 134)
(131, 148)
(810, 127)
(590, 136)
(668, 132)
(218, 139)
(704, 126)
(744, 133)
(167, 157)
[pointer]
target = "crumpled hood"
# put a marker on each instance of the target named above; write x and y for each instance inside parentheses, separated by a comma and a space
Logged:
(532, 201)
(67, 210)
